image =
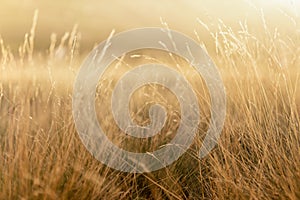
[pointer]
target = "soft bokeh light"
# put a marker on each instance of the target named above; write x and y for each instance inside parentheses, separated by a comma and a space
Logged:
(96, 19)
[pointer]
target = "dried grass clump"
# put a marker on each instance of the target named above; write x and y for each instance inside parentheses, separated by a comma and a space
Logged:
(258, 156)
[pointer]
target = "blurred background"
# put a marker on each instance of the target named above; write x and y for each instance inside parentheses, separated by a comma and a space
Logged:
(97, 18)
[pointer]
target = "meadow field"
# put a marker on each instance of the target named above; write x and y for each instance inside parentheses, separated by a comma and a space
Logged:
(257, 156)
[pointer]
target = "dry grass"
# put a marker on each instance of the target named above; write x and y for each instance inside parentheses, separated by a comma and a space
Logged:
(258, 155)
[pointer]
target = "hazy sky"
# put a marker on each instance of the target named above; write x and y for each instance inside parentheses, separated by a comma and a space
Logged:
(96, 18)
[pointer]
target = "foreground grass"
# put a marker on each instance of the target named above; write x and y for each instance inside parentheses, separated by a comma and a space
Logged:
(257, 157)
